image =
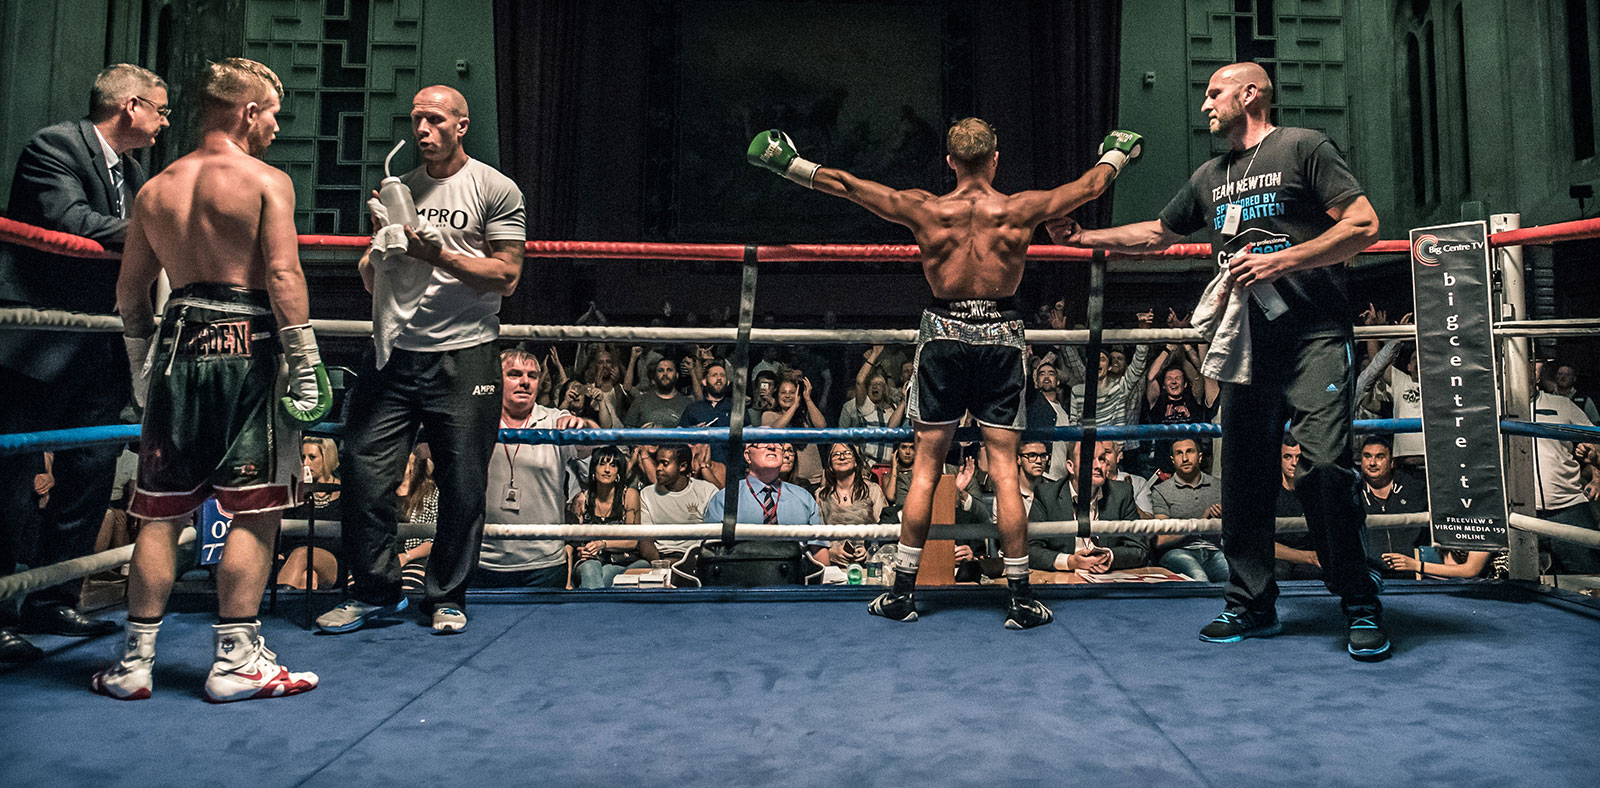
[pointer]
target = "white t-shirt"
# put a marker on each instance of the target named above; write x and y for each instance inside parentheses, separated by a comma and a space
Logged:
(1560, 480)
(687, 505)
(544, 475)
(1407, 393)
(472, 208)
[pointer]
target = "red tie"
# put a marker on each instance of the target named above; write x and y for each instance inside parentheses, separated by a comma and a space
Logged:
(769, 506)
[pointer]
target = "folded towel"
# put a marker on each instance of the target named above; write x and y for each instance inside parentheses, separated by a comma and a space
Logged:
(1222, 320)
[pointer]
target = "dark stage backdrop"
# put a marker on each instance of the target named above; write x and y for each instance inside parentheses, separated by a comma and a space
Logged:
(628, 120)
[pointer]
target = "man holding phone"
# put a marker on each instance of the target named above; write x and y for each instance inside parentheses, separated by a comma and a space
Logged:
(1111, 500)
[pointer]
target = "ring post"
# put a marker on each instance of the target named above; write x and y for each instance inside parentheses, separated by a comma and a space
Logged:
(1091, 389)
(1517, 401)
(741, 365)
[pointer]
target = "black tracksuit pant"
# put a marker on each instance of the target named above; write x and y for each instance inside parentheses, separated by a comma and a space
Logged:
(454, 397)
(1309, 383)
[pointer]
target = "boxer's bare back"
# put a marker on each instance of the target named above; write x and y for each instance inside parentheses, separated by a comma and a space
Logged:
(975, 239)
(221, 215)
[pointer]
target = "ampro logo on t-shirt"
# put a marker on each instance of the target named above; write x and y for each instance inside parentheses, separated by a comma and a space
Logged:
(456, 218)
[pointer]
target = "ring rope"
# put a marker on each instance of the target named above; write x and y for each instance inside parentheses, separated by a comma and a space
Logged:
(58, 320)
(50, 440)
(44, 577)
(35, 237)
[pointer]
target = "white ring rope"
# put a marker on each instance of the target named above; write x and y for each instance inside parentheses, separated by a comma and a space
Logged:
(46, 576)
(56, 320)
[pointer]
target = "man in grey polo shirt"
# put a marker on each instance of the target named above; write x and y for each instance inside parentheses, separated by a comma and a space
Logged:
(435, 312)
(1190, 493)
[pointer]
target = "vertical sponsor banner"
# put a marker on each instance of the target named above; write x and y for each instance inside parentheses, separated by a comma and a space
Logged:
(214, 524)
(1460, 387)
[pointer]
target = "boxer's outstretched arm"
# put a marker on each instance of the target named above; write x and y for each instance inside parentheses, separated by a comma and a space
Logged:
(280, 248)
(1037, 206)
(139, 271)
(899, 206)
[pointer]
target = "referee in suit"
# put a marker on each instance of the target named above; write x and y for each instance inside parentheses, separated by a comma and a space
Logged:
(74, 177)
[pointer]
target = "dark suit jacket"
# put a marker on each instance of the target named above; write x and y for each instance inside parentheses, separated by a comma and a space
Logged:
(61, 184)
(1053, 501)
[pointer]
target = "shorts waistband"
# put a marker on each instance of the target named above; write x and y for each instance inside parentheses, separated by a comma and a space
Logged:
(977, 310)
(216, 294)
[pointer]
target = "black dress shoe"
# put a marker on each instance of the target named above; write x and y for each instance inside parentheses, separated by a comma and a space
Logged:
(65, 621)
(16, 648)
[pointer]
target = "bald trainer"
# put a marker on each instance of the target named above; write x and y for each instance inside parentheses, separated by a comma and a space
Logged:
(1281, 207)
(434, 365)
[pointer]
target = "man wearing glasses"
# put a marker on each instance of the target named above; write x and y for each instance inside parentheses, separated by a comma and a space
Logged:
(74, 177)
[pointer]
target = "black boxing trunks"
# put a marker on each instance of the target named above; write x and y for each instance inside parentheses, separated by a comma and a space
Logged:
(212, 421)
(970, 357)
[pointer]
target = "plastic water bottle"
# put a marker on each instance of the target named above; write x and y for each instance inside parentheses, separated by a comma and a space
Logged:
(395, 195)
(1266, 295)
(854, 574)
(396, 199)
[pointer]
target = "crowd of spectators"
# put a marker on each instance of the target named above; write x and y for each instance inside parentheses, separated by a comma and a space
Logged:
(687, 385)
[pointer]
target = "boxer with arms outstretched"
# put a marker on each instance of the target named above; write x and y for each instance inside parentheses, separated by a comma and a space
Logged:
(217, 422)
(971, 356)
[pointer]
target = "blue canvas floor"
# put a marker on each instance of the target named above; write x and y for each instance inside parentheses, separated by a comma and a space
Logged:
(1489, 685)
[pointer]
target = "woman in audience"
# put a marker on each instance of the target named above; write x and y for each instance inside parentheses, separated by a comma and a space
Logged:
(573, 397)
(605, 500)
(796, 409)
(849, 497)
(419, 505)
(789, 471)
(898, 480)
(319, 459)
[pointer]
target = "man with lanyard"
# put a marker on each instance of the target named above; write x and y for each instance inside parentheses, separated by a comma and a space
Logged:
(1281, 208)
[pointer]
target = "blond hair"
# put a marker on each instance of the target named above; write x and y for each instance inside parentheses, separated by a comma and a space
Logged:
(971, 142)
(115, 85)
(236, 81)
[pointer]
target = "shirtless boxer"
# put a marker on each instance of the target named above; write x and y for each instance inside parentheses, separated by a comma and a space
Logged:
(970, 349)
(221, 223)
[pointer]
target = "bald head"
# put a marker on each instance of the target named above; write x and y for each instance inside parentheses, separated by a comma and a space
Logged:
(442, 97)
(439, 121)
(1243, 74)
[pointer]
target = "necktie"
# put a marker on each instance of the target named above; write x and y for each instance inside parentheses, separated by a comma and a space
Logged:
(117, 206)
(769, 506)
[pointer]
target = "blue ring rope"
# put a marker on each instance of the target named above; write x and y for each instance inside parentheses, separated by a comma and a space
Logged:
(51, 440)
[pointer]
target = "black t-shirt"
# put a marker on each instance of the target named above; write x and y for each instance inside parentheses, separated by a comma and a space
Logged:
(1285, 185)
(1182, 409)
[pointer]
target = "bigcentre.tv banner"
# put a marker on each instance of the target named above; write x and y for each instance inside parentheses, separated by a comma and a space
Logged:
(1460, 388)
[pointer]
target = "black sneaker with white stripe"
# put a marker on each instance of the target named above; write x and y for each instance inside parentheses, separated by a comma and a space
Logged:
(895, 607)
(1026, 612)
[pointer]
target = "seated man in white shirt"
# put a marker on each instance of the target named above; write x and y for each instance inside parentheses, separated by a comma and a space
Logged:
(675, 498)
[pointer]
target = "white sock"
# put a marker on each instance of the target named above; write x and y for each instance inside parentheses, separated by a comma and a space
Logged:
(907, 559)
(1016, 568)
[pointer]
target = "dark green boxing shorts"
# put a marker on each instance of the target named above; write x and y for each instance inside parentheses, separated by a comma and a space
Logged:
(212, 421)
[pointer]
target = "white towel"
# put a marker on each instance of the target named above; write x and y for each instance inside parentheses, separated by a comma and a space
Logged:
(399, 282)
(1222, 319)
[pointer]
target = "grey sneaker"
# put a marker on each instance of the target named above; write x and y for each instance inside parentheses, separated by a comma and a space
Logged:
(448, 621)
(352, 615)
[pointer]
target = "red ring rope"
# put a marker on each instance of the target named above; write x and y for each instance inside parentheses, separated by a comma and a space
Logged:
(16, 232)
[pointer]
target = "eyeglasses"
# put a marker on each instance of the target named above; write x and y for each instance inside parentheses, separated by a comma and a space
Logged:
(1035, 455)
(165, 112)
(844, 454)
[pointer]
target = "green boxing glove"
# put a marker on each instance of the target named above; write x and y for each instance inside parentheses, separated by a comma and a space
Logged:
(1120, 147)
(775, 151)
(310, 394)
